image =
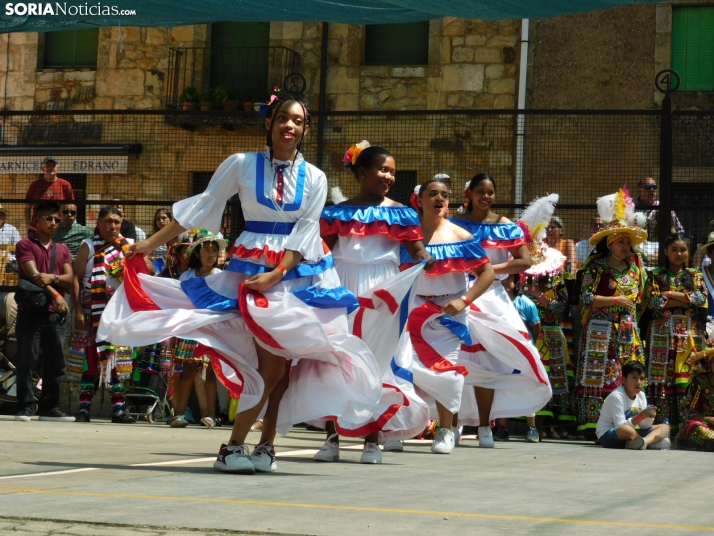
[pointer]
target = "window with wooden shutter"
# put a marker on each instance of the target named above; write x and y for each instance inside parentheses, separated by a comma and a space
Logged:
(71, 48)
(693, 47)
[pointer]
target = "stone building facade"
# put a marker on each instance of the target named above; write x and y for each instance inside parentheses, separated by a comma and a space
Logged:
(471, 64)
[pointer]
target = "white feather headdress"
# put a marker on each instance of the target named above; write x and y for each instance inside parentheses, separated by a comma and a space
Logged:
(536, 216)
(337, 196)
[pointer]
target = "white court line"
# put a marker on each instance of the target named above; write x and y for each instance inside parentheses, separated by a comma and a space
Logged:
(50, 473)
(174, 462)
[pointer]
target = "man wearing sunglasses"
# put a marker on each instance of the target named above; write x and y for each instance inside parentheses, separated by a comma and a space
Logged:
(647, 202)
(70, 233)
(42, 325)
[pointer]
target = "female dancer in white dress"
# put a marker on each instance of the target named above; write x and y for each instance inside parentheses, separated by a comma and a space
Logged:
(364, 234)
(278, 300)
(437, 326)
(500, 237)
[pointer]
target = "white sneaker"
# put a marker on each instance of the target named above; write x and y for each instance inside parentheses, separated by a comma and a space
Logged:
(443, 442)
(263, 458)
(330, 451)
(663, 444)
(371, 454)
(457, 435)
(394, 445)
(234, 459)
(485, 437)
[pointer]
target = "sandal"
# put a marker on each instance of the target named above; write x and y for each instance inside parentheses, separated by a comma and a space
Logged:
(178, 421)
(257, 425)
(209, 422)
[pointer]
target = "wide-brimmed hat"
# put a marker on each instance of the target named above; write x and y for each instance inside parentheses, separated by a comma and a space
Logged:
(710, 242)
(201, 236)
(618, 211)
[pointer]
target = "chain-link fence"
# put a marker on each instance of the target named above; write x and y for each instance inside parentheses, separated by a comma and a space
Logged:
(145, 161)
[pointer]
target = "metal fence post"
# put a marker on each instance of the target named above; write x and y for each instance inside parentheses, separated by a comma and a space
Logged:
(664, 217)
(322, 100)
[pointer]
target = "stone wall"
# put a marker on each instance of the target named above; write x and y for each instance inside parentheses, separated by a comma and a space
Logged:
(472, 64)
(603, 59)
(132, 66)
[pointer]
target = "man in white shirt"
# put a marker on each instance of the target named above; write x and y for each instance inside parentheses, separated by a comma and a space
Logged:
(625, 418)
(8, 233)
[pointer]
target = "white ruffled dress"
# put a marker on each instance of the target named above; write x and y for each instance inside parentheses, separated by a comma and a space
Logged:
(513, 368)
(303, 318)
(367, 260)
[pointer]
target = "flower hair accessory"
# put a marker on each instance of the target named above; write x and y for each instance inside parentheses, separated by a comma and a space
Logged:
(350, 158)
(265, 106)
(413, 198)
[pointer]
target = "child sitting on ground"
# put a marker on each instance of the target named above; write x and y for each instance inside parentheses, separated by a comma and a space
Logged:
(626, 419)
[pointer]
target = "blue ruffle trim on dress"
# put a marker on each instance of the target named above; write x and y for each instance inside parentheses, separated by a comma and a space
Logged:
(393, 215)
(496, 232)
(468, 250)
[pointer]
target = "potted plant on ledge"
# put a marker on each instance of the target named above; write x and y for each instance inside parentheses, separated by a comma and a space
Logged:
(205, 101)
(225, 98)
(188, 98)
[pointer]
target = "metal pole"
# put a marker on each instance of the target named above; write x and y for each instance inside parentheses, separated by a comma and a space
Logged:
(322, 96)
(665, 175)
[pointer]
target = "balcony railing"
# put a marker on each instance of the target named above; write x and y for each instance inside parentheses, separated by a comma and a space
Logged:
(248, 73)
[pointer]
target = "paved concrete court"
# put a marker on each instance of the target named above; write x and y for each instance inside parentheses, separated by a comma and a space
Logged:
(107, 479)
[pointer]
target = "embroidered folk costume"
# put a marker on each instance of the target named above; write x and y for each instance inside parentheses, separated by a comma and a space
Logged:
(698, 404)
(610, 335)
(674, 334)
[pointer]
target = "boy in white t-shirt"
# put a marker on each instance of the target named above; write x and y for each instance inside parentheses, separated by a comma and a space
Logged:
(626, 408)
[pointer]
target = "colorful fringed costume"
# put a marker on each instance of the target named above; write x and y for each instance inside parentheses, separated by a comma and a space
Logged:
(674, 334)
(698, 404)
(610, 336)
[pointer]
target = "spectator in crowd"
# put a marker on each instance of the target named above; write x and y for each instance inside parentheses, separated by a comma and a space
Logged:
(49, 266)
(555, 240)
(705, 260)
(647, 202)
(70, 233)
(625, 420)
(162, 217)
(583, 248)
(49, 186)
(97, 275)
(8, 233)
(128, 229)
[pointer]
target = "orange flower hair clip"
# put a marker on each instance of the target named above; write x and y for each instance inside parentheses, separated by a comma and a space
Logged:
(350, 158)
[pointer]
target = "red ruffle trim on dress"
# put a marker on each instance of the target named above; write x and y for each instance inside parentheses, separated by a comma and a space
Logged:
(270, 256)
(410, 233)
(451, 265)
(501, 244)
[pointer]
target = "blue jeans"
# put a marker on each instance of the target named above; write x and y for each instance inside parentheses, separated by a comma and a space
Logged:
(609, 439)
